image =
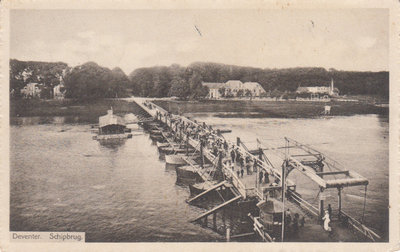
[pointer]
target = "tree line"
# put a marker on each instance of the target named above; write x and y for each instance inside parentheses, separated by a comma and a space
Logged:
(90, 81)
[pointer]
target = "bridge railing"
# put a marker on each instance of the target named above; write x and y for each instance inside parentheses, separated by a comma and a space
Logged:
(237, 183)
(358, 226)
(303, 203)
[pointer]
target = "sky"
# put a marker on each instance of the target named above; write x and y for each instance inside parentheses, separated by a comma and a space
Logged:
(344, 39)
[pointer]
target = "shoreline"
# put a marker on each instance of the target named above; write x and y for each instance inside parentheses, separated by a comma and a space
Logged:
(222, 109)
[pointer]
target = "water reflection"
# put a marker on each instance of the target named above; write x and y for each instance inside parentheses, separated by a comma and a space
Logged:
(37, 120)
(113, 144)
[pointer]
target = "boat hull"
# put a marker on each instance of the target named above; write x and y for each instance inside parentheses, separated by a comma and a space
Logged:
(187, 172)
(174, 160)
(112, 136)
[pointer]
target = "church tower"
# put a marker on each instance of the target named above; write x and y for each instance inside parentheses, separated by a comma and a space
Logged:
(331, 87)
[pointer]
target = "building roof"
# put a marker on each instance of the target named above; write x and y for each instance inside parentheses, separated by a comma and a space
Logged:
(234, 84)
(213, 85)
(252, 85)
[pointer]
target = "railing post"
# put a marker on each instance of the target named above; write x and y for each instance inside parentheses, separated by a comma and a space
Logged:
(201, 154)
(187, 144)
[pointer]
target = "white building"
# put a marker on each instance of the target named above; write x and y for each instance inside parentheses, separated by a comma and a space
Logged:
(331, 90)
(213, 89)
(57, 93)
(232, 87)
(31, 90)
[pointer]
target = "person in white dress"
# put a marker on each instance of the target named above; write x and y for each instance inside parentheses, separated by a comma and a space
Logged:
(326, 220)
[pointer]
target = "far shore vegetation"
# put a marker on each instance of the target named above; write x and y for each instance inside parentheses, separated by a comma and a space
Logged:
(90, 89)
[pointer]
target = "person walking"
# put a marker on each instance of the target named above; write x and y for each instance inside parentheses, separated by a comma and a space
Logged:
(266, 177)
(248, 168)
(241, 171)
(302, 221)
(233, 155)
(260, 176)
(330, 211)
(295, 224)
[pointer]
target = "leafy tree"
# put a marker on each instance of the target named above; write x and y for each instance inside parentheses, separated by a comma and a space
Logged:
(222, 91)
(240, 93)
(179, 88)
(118, 83)
(197, 90)
(91, 81)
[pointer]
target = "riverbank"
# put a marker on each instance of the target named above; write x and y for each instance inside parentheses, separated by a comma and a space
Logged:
(224, 109)
(271, 109)
(90, 110)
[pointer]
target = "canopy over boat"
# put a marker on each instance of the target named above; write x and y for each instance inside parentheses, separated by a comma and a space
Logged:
(110, 119)
(111, 124)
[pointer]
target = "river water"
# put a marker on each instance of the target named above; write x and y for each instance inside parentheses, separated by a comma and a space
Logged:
(62, 180)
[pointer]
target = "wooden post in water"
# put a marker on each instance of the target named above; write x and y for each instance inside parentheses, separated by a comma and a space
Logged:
(339, 201)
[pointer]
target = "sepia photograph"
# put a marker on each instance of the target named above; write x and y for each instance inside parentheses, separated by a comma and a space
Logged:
(200, 125)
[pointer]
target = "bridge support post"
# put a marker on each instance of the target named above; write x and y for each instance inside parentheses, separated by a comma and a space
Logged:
(339, 202)
(321, 202)
(223, 217)
(205, 221)
(260, 156)
(215, 221)
(228, 233)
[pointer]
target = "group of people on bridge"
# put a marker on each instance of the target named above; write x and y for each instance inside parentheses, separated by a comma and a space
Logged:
(232, 156)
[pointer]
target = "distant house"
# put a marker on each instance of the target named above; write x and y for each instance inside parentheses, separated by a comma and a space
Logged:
(31, 90)
(58, 92)
(320, 90)
(255, 88)
(231, 88)
(213, 89)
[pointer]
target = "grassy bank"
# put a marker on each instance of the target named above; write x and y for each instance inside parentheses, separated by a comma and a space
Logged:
(273, 109)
